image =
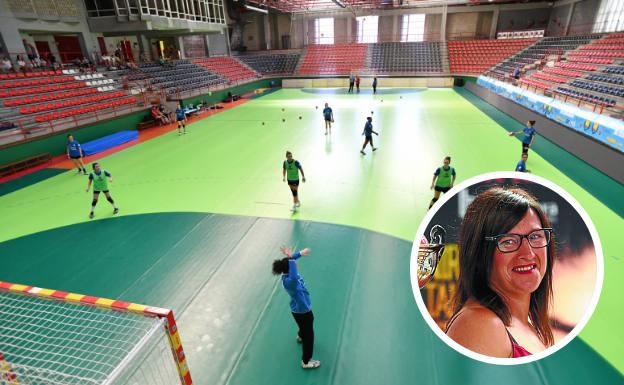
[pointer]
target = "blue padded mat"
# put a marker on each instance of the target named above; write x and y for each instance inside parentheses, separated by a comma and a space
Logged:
(109, 141)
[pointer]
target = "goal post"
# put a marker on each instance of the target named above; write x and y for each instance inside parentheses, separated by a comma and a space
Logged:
(55, 337)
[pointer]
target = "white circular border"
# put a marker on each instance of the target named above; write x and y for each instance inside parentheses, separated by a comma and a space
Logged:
(599, 268)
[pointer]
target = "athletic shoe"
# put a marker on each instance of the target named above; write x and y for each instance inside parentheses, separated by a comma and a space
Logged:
(299, 340)
(91, 215)
(294, 208)
(312, 364)
(362, 152)
(375, 149)
(115, 211)
(298, 204)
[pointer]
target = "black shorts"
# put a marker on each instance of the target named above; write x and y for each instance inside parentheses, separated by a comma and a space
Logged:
(293, 182)
(181, 119)
(75, 157)
(525, 148)
(441, 189)
(97, 192)
(328, 120)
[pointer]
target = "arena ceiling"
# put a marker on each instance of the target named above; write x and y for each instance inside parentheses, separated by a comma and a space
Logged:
(289, 6)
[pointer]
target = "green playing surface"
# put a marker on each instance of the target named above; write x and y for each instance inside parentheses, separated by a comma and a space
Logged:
(359, 214)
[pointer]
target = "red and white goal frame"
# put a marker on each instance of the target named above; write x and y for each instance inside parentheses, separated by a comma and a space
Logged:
(24, 309)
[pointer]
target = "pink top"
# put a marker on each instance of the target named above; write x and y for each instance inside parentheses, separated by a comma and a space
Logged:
(516, 349)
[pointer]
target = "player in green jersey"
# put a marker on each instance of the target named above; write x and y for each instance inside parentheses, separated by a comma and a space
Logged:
(100, 179)
(290, 174)
(443, 180)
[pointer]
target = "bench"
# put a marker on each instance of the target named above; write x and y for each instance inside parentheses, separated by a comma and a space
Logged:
(23, 164)
(145, 125)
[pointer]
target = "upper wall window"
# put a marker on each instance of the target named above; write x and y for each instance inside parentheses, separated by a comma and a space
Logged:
(413, 27)
(324, 30)
(610, 17)
(367, 29)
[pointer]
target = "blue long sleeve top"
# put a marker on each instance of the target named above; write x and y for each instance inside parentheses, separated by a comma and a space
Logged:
(295, 286)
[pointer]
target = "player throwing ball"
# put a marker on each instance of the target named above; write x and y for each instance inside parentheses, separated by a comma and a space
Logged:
(328, 114)
(290, 174)
(300, 304)
(443, 180)
(528, 137)
(100, 179)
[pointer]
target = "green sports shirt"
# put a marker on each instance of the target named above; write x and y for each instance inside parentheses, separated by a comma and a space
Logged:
(100, 181)
(292, 169)
(445, 176)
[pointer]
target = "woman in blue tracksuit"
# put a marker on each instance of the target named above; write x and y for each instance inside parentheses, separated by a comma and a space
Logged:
(300, 304)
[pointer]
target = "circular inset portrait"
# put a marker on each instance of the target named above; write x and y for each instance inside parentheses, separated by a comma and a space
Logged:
(507, 268)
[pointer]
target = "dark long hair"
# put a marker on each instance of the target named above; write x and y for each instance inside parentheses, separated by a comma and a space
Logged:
(280, 266)
(496, 211)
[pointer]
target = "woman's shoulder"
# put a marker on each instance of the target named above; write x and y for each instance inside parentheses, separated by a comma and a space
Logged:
(479, 329)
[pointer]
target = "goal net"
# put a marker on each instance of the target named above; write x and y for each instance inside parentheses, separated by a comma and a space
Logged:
(54, 337)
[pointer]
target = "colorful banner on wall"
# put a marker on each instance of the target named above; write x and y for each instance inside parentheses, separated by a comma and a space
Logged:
(603, 128)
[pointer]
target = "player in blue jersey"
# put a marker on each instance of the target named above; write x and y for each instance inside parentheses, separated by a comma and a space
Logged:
(528, 136)
(75, 153)
(300, 303)
(521, 166)
(181, 118)
(368, 135)
(328, 114)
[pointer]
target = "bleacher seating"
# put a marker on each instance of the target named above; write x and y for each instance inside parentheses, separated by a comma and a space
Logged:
(607, 79)
(614, 70)
(550, 78)
(596, 87)
(476, 56)
(271, 64)
(177, 76)
(228, 68)
(588, 97)
(563, 72)
(334, 59)
(406, 57)
(540, 50)
(577, 77)
(37, 97)
(535, 83)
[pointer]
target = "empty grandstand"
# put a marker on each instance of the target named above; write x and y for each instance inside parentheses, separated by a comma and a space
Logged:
(271, 63)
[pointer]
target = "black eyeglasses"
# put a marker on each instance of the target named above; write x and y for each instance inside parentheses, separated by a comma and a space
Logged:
(508, 243)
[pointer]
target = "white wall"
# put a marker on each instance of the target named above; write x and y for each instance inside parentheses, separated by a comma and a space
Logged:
(11, 29)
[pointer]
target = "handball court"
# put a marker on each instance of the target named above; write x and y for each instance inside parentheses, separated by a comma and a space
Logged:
(202, 217)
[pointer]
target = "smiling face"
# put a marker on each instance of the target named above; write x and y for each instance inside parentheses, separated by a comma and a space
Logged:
(520, 272)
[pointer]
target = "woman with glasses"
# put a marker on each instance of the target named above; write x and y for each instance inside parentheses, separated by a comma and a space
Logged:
(506, 254)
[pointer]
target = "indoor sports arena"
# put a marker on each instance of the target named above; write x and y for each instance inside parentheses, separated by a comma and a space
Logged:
(229, 191)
